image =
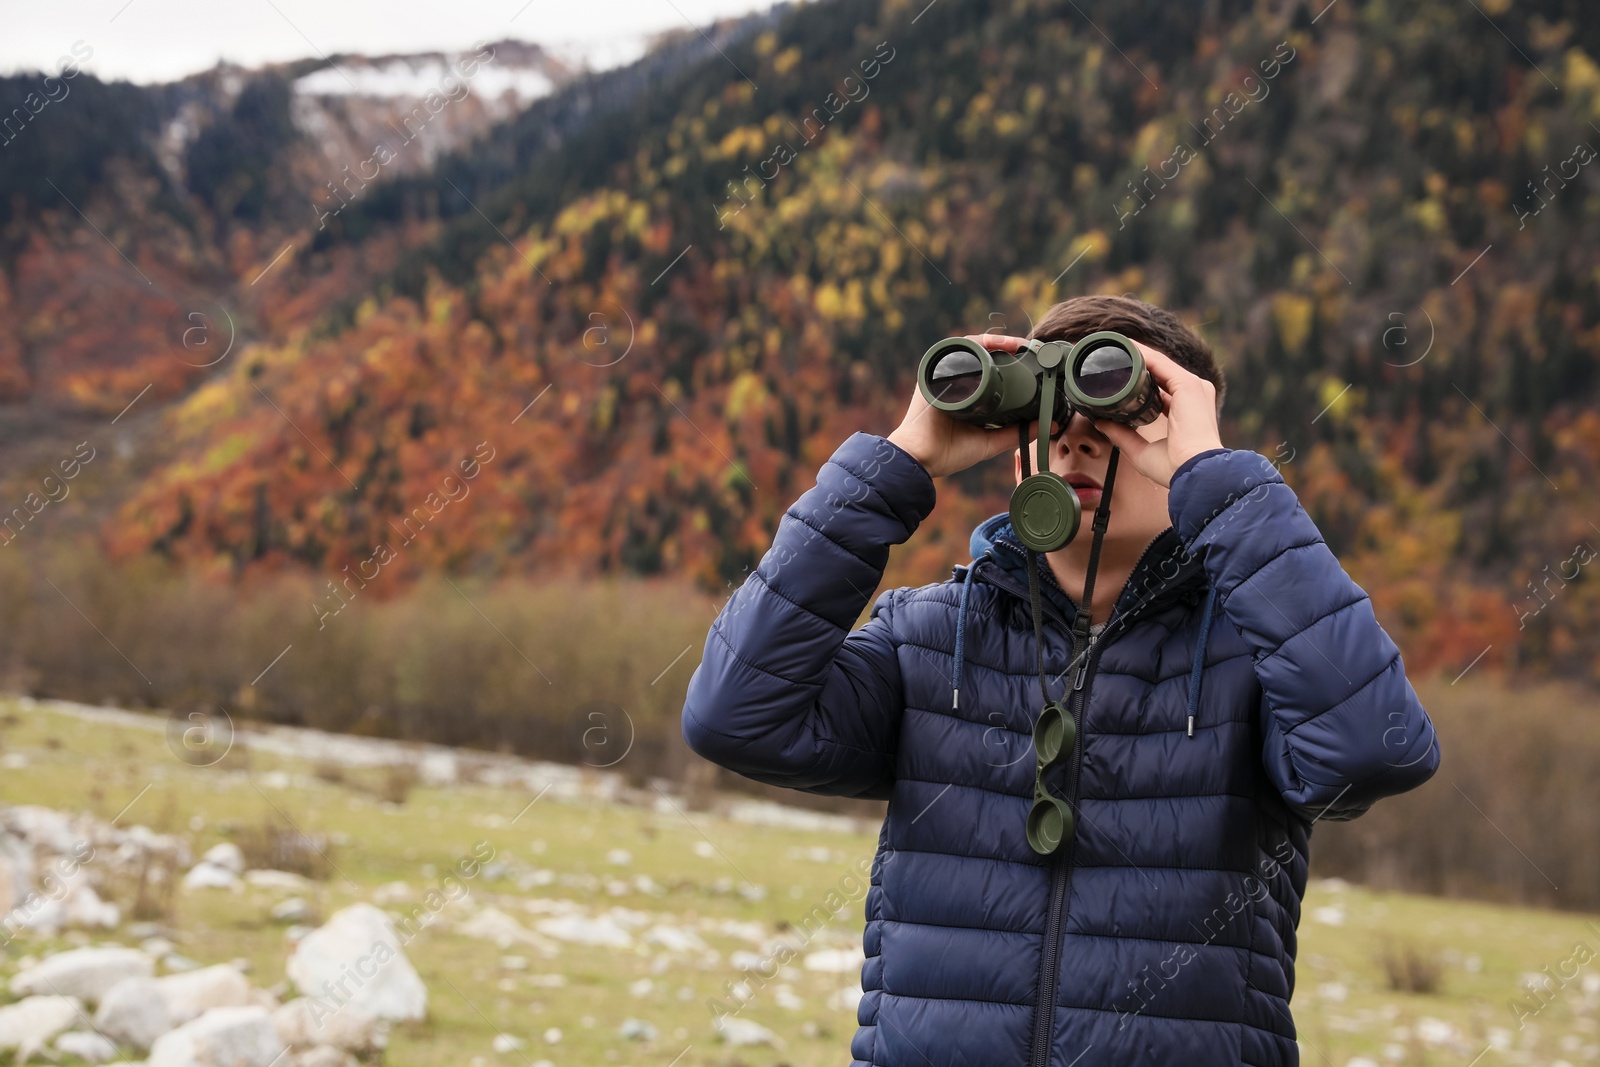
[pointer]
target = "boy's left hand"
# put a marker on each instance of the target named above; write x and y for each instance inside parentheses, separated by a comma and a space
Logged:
(1190, 423)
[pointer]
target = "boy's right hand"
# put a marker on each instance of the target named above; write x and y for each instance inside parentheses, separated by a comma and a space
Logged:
(945, 445)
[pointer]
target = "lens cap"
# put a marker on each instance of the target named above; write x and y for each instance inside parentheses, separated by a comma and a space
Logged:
(1054, 734)
(1050, 824)
(1045, 512)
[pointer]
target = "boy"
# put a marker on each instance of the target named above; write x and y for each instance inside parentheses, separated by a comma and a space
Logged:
(1236, 688)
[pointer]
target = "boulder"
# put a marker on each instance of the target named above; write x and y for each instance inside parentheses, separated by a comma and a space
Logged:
(85, 973)
(305, 1022)
(291, 910)
(88, 1047)
(34, 1020)
(226, 855)
(210, 876)
(354, 960)
(82, 907)
(222, 1037)
(324, 1056)
(133, 1013)
(193, 993)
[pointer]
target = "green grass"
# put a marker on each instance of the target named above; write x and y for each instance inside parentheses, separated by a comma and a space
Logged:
(73, 765)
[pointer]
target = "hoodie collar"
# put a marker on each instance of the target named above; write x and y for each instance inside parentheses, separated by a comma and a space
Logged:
(1161, 576)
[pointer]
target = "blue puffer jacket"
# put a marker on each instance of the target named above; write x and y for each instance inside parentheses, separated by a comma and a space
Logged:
(1241, 691)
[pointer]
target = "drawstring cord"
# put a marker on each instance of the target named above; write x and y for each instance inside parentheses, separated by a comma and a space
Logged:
(961, 627)
(1200, 656)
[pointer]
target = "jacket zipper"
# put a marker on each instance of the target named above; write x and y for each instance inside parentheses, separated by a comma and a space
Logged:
(1061, 863)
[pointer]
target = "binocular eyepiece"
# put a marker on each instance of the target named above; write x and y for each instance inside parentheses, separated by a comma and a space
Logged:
(1103, 375)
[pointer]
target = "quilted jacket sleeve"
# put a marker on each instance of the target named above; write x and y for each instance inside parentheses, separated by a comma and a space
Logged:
(786, 693)
(1341, 722)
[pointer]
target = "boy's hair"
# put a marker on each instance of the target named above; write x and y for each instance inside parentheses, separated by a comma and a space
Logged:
(1145, 323)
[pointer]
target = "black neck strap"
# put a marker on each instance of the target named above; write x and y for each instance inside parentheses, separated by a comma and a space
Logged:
(1102, 519)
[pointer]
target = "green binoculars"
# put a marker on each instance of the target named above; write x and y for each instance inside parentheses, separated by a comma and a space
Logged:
(1103, 375)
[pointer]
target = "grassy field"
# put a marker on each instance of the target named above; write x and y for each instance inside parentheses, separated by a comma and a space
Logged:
(695, 896)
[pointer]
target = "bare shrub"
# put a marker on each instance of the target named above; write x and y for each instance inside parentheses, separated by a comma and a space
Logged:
(1409, 968)
(276, 844)
(397, 781)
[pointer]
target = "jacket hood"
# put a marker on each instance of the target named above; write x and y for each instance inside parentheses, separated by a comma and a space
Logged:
(1163, 572)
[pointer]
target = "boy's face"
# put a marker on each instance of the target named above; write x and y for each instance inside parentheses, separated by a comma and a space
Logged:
(1080, 454)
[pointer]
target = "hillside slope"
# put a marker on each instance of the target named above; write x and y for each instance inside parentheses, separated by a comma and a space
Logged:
(703, 293)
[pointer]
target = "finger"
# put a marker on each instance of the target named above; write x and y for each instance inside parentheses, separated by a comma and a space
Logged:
(997, 341)
(1123, 437)
(1165, 370)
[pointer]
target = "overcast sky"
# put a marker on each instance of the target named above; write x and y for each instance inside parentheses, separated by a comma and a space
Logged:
(162, 40)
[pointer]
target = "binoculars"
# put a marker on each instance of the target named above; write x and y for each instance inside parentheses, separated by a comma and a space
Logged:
(1103, 375)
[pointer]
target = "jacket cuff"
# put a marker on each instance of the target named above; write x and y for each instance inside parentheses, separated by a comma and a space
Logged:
(1206, 485)
(902, 482)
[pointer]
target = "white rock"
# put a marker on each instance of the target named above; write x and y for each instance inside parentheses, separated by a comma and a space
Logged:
(210, 876)
(305, 1022)
(492, 924)
(134, 1013)
(157, 947)
(193, 993)
(324, 1056)
(1331, 915)
(738, 1032)
(43, 828)
(225, 855)
(82, 907)
(674, 938)
(91, 1048)
(835, 961)
(552, 1036)
(603, 932)
(846, 999)
(358, 948)
(636, 1030)
(222, 1037)
(285, 880)
(85, 973)
(35, 1020)
(504, 1043)
(292, 910)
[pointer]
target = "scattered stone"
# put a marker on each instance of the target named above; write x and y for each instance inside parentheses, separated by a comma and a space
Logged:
(133, 1012)
(492, 924)
(210, 876)
(192, 994)
(737, 1032)
(305, 1022)
(89, 1047)
(175, 963)
(222, 1037)
(324, 1056)
(504, 1043)
(552, 1036)
(85, 973)
(35, 1020)
(284, 880)
(355, 959)
(834, 961)
(602, 932)
(636, 1030)
(157, 947)
(226, 855)
(293, 910)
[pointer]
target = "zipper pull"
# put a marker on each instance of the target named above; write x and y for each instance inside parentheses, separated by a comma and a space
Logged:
(1081, 671)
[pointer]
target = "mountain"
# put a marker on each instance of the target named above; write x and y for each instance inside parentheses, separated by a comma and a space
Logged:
(659, 296)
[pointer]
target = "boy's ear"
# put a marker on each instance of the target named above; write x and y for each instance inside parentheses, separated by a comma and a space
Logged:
(1016, 466)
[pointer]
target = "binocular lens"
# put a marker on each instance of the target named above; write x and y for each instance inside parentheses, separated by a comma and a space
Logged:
(1104, 371)
(956, 376)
